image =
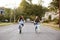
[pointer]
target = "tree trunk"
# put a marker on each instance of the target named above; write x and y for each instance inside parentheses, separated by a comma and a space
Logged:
(10, 15)
(59, 13)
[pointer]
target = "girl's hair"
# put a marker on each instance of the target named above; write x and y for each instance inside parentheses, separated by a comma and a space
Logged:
(21, 17)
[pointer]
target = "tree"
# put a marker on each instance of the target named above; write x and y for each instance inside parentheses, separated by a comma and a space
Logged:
(54, 4)
(17, 13)
(7, 14)
(1, 17)
(25, 8)
(59, 13)
(30, 1)
(31, 9)
(40, 2)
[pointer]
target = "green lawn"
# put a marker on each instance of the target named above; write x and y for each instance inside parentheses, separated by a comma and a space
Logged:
(4, 24)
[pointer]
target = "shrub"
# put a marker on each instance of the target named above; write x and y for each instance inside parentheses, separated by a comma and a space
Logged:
(46, 21)
(56, 20)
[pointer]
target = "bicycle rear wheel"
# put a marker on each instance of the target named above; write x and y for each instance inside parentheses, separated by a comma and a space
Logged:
(20, 29)
(35, 29)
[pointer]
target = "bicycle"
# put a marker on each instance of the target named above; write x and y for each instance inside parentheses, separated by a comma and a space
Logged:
(37, 27)
(20, 28)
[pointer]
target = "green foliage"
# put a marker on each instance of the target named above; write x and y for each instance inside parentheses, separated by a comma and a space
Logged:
(6, 16)
(27, 9)
(46, 21)
(7, 13)
(32, 17)
(54, 5)
(1, 17)
(56, 20)
(30, 1)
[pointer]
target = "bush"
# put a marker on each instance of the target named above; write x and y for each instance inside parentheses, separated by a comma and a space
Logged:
(56, 20)
(2, 17)
(46, 21)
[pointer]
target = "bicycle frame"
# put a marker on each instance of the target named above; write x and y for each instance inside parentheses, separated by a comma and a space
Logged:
(20, 28)
(37, 27)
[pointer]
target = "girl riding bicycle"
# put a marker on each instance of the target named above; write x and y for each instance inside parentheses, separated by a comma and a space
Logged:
(21, 23)
(36, 22)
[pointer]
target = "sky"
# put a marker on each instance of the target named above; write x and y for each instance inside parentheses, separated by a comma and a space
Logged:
(15, 3)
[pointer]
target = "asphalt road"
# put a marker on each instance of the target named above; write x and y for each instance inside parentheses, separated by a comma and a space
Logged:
(11, 32)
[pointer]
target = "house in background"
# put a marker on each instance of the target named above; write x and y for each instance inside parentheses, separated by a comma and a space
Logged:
(52, 14)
